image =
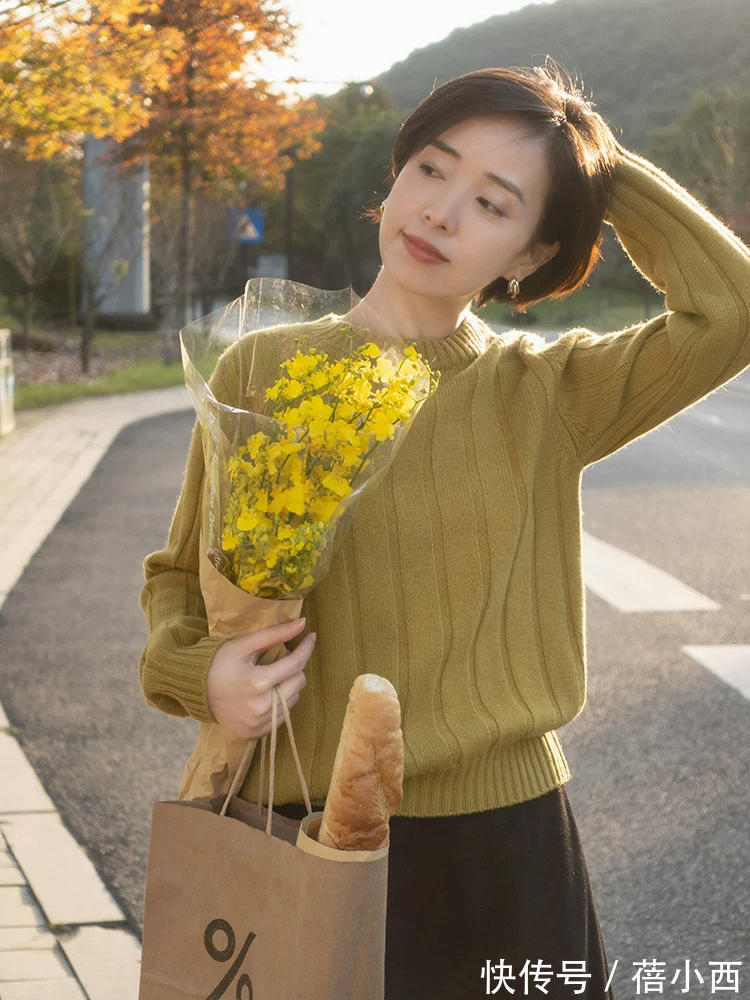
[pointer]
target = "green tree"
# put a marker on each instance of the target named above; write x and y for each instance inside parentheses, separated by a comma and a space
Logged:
(361, 182)
(708, 150)
(353, 112)
(40, 212)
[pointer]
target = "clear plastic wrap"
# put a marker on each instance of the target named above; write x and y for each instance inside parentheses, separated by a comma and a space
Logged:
(321, 426)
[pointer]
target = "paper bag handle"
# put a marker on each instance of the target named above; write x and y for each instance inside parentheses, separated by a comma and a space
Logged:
(247, 756)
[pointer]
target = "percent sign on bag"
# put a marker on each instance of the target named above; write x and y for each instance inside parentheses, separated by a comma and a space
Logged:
(224, 955)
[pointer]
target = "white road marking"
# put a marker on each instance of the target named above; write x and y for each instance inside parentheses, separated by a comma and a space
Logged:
(632, 584)
(730, 663)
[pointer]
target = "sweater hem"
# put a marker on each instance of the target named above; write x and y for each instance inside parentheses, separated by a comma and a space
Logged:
(506, 776)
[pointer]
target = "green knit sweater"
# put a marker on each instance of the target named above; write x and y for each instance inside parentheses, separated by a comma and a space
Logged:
(460, 579)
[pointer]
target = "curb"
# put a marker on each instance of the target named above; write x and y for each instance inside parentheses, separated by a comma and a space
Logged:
(62, 935)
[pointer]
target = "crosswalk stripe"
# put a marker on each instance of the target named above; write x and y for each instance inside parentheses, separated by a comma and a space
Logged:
(730, 663)
(632, 584)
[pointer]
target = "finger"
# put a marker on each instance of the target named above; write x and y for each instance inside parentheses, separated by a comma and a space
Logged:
(296, 683)
(265, 722)
(265, 638)
(290, 690)
(291, 700)
(280, 719)
(288, 666)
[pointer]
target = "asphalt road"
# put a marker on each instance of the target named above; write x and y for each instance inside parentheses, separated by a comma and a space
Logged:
(659, 755)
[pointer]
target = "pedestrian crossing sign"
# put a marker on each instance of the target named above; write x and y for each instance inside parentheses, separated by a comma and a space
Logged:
(246, 225)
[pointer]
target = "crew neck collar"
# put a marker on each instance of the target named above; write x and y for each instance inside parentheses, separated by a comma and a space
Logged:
(467, 342)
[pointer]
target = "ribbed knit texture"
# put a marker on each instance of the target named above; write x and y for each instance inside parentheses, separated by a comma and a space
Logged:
(460, 579)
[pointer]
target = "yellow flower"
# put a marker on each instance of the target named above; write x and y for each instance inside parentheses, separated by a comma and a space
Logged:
(360, 392)
(336, 484)
(317, 409)
(285, 492)
(250, 581)
(229, 541)
(255, 443)
(292, 389)
(382, 425)
(385, 369)
(322, 509)
(251, 519)
(301, 365)
(292, 500)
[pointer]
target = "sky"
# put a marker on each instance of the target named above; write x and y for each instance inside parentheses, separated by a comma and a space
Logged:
(340, 41)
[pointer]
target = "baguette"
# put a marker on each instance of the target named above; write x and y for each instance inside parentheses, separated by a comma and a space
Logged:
(368, 771)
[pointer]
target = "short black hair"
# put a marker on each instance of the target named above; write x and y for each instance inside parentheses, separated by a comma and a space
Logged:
(582, 154)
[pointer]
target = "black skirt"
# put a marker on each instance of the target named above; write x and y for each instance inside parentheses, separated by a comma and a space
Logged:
(467, 892)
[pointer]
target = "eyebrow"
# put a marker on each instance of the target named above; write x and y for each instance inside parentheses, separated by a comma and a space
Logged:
(502, 181)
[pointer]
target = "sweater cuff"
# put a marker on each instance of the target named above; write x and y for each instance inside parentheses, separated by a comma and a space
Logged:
(173, 679)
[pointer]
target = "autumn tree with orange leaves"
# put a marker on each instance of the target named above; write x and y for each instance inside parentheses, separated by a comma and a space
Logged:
(57, 81)
(176, 82)
(218, 123)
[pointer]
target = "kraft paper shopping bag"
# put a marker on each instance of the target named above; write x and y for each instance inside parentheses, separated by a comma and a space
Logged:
(243, 903)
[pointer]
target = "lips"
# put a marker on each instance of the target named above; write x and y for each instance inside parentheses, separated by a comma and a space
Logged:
(422, 250)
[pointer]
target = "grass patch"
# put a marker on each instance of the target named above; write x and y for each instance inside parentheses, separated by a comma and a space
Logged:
(139, 375)
(598, 309)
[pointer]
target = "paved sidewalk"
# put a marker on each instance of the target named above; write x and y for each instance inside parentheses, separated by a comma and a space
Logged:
(62, 935)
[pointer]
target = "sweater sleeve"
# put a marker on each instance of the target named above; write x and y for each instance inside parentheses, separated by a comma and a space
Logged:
(616, 387)
(178, 651)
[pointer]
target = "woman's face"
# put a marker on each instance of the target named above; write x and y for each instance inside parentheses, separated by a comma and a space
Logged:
(476, 194)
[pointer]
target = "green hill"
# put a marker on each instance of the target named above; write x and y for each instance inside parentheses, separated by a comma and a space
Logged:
(641, 59)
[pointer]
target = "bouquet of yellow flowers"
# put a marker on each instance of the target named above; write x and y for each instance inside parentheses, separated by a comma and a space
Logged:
(283, 475)
(285, 492)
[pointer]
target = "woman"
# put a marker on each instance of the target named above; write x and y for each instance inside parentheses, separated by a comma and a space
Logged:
(460, 579)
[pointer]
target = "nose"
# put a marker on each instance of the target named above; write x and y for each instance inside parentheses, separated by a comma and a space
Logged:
(440, 215)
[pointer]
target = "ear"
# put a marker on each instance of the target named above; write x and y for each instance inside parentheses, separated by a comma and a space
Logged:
(539, 255)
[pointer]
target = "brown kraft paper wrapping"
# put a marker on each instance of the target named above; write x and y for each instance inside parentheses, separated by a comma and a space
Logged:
(230, 612)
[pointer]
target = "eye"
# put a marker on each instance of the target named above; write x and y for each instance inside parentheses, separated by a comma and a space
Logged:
(428, 170)
(490, 206)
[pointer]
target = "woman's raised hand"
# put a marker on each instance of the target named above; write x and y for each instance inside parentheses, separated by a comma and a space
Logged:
(239, 689)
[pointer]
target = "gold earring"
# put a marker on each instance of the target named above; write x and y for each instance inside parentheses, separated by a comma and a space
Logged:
(382, 206)
(513, 289)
